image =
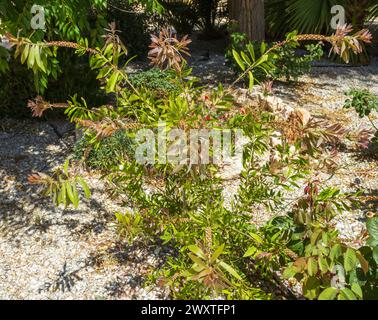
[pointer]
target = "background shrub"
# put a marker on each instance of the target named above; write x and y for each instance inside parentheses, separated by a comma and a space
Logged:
(107, 153)
(155, 79)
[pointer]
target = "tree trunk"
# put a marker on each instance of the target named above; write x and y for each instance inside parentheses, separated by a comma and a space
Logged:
(249, 14)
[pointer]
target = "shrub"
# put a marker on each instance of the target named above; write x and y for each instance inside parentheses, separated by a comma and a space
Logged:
(216, 250)
(289, 65)
(364, 103)
(284, 63)
(254, 62)
(156, 80)
(110, 152)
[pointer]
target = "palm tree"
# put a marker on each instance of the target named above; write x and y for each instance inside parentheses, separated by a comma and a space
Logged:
(310, 16)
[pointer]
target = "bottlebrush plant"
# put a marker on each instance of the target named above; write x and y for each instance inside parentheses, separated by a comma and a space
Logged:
(217, 251)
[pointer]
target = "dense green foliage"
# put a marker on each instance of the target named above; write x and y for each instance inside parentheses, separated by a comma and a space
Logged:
(65, 73)
(283, 63)
(162, 82)
(62, 73)
(363, 101)
(107, 153)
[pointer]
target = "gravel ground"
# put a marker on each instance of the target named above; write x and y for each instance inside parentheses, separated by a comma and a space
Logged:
(51, 253)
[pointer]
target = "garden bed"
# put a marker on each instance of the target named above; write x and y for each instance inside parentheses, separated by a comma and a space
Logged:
(52, 253)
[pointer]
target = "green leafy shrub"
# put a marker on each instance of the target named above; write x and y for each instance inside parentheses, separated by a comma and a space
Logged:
(290, 65)
(216, 250)
(284, 62)
(109, 152)
(156, 80)
(62, 186)
(87, 19)
(129, 225)
(254, 61)
(362, 101)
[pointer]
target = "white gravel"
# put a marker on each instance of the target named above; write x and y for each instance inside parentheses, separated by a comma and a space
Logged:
(52, 253)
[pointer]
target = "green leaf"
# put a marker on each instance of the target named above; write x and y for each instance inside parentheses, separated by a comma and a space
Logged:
(217, 253)
(38, 59)
(257, 238)
(197, 260)
(112, 82)
(311, 287)
(25, 54)
(372, 227)
(65, 167)
(350, 260)
(323, 264)
(263, 47)
(75, 196)
(246, 58)
(62, 198)
(251, 80)
(289, 272)
(357, 290)
(312, 266)
(375, 254)
(196, 250)
(230, 270)
(70, 194)
(31, 58)
(328, 294)
(251, 51)
(202, 274)
(347, 294)
(84, 185)
(238, 60)
(250, 252)
(315, 236)
(336, 252)
(261, 60)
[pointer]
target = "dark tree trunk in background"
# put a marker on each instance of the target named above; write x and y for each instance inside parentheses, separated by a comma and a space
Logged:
(249, 14)
(357, 12)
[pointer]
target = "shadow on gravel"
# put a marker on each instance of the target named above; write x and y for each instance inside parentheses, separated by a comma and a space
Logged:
(25, 147)
(16, 222)
(370, 204)
(64, 281)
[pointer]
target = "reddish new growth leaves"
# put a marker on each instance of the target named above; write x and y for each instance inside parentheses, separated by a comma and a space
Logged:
(343, 43)
(39, 179)
(107, 127)
(39, 106)
(167, 51)
(102, 128)
(112, 38)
